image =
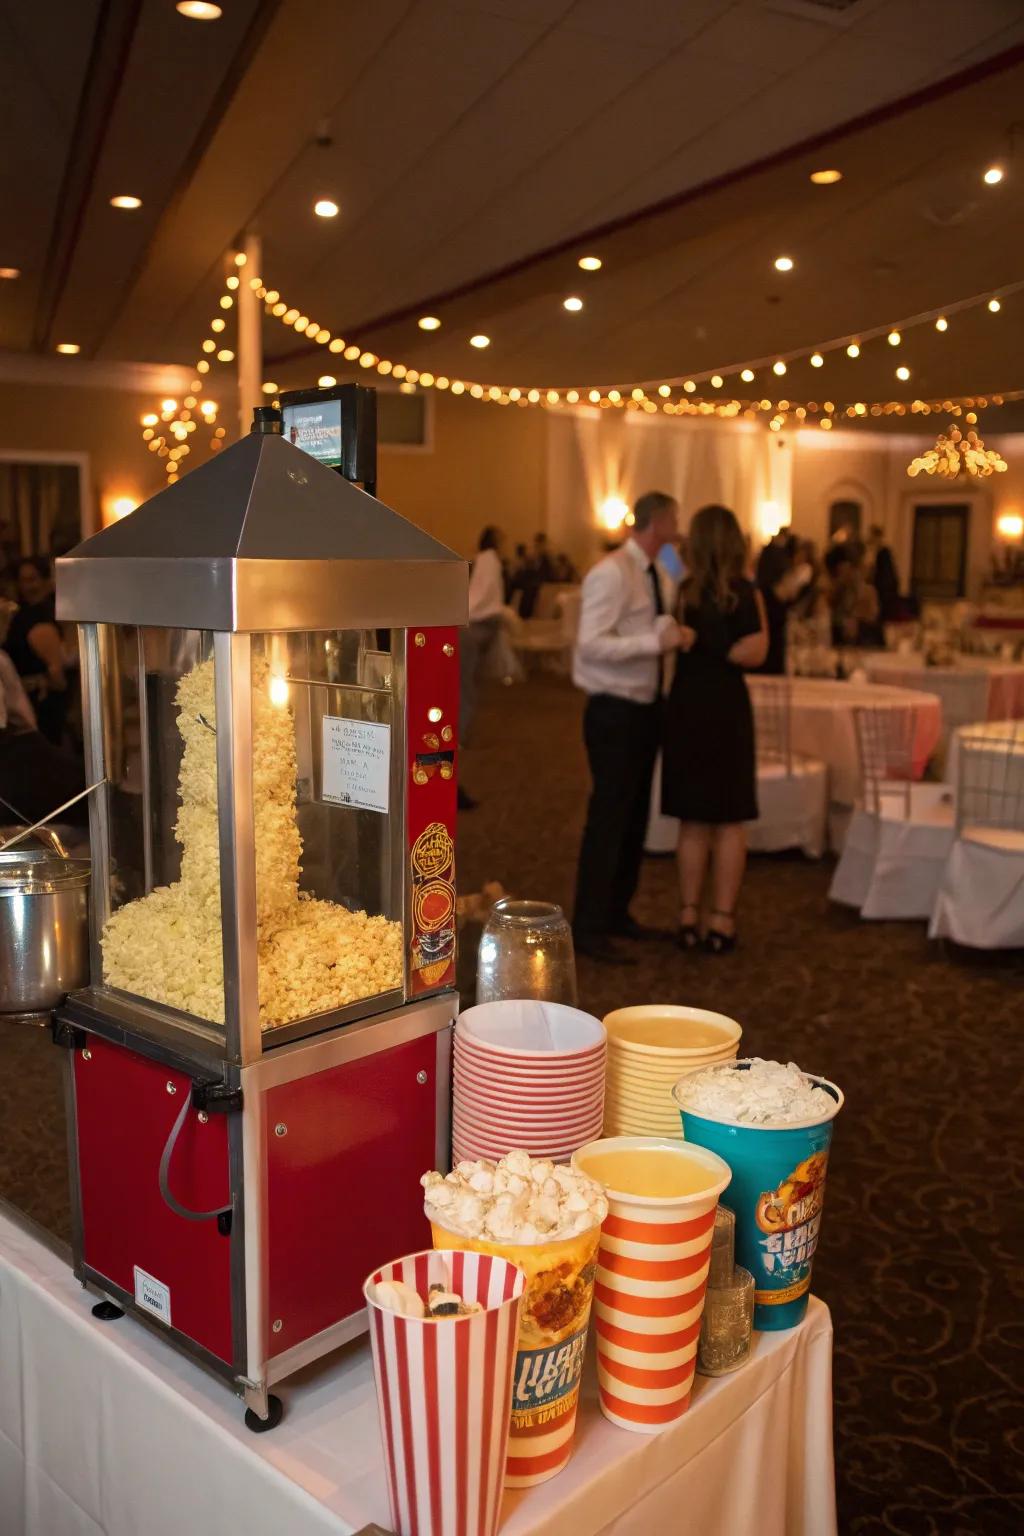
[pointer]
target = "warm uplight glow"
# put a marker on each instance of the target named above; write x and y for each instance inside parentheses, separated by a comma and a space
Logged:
(69, 348)
(942, 324)
(784, 263)
(747, 375)
(853, 350)
(429, 323)
(278, 692)
(816, 360)
(326, 381)
(572, 304)
(993, 176)
(779, 367)
(612, 513)
(325, 209)
(480, 341)
(10, 273)
(903, 373)
(993, 304)
(1010, 525)
(199, 10)
(894, 338)
(826, 178)
(589, 263)
(125, 200)
(121, 506)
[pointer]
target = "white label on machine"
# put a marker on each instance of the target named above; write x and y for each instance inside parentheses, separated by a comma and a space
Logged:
(357, 763)
(152, 1295)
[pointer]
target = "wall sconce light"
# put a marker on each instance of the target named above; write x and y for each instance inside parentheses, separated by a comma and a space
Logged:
(613, 514)
(1010, 527)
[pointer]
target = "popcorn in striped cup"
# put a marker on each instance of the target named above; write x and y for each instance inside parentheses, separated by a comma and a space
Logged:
(652, 1272)
(444, 1389)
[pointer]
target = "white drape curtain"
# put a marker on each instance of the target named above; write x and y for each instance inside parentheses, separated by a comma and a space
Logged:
(596, 454)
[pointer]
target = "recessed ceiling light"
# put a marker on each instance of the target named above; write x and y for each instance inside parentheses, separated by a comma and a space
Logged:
(326, 381)
(942, 324)
(747, 375)
(125, 200)
(993, 176)
(903, 373)
(715, 381)
(68, 347)
(816, 360)
(480, 341)
(853, 350)
(826, 178)
(199, 10)
(572, 304)
(894, 338)
(10, 273)
(993, 304)
(590, 263)
(429, 323)
(783, 263)
(324, 208)
(779, 367)
(268, 388)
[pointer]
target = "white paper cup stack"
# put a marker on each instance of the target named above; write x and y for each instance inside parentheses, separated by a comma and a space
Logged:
(649, 1049)
(527, 1075)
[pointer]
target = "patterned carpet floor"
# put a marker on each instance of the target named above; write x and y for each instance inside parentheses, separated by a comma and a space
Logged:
(922, 1258)
(922, 1254)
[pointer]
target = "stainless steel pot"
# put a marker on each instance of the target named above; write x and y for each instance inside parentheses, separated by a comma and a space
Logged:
(44, 929)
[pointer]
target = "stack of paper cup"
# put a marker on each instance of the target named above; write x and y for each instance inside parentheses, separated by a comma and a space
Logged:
(527, 1075)
(443, 1393)
(649, 1048)
(652, 1273)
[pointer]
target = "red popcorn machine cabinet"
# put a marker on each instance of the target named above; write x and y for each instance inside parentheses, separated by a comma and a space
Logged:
(258, 1072)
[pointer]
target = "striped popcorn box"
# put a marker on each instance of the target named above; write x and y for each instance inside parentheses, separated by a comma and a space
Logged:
(652, 1272)
(551, 1347)
(444, 1388)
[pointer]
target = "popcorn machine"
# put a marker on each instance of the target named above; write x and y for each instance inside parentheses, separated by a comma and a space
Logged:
(259, 1070)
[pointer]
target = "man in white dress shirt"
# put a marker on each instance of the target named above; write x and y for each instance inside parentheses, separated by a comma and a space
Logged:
(626, 633)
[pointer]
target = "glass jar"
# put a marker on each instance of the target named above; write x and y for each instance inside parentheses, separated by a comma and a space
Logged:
(525, 951)
(726, 1325)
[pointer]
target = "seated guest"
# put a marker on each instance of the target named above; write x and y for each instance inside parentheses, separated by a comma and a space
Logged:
(35, 778)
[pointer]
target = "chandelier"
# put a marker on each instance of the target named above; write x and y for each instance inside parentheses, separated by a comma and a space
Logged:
(954, 454)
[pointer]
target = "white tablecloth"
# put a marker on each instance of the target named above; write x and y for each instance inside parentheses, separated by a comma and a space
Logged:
(972, 688)
(106, 1431)
(822, 725)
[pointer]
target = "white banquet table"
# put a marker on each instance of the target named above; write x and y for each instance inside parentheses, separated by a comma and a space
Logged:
(971, 688)
(106, 1431)
(822, 725)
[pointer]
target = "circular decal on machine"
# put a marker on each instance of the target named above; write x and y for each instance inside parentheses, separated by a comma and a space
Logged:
(433, 905)
(433, 851)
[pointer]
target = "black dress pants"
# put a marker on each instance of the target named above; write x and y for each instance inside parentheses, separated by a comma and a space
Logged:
(622, 741)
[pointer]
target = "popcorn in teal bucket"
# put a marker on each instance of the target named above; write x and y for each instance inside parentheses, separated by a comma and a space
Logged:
(772, 1124)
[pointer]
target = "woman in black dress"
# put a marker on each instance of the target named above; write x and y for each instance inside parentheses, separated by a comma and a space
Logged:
(709, 775)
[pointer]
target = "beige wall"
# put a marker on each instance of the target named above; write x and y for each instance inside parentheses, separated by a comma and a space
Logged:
(101, 423)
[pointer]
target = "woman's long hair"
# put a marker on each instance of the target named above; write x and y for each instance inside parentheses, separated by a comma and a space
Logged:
(717, 556)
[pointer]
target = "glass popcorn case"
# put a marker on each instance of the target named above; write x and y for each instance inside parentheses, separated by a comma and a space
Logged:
(270, 683)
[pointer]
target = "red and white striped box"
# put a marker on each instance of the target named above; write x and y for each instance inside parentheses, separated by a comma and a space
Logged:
(652, 1272)
(444, 1390)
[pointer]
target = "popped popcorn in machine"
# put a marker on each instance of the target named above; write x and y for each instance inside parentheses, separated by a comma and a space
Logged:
(258, 1071)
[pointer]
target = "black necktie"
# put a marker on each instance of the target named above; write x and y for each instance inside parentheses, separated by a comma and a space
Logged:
(659, 609)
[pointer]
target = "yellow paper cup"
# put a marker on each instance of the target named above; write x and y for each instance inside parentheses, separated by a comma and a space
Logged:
(652, 1274)
(552, 1340)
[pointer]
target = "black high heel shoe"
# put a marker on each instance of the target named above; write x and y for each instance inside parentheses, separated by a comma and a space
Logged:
(688, 937)
(715, 941)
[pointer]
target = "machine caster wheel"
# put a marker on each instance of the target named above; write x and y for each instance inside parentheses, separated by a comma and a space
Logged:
(275, 1413)
(107, 1312)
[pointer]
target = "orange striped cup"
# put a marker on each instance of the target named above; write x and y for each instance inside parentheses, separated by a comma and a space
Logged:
(652, 1272)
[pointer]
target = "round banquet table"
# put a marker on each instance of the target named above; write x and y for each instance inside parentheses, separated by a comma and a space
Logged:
(971, 688)
(822, 725)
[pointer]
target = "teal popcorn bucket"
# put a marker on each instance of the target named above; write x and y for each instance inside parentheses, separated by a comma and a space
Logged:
(777, 1193)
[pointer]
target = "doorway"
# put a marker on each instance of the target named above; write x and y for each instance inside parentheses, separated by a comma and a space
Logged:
(938, 567)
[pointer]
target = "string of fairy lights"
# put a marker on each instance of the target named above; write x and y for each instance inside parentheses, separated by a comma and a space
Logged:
(697, 394)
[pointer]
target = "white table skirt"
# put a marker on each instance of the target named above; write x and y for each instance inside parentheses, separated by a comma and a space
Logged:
(106, 1431)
